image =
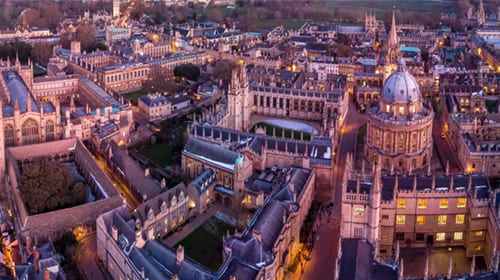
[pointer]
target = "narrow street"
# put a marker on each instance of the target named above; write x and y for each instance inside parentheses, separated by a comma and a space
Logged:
(322, 264)
(445, 151)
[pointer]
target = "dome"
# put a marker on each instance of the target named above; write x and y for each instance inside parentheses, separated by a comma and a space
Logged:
(239, 159)
(400, 87)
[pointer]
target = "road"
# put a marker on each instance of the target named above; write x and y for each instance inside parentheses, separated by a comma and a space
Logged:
(445, 151)
(322, 264)
(86, 258)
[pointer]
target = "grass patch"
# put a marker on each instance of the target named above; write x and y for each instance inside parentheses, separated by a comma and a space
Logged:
(413, 5)
(279, 131)
(204, 244)
(160, 153)
(134, 95)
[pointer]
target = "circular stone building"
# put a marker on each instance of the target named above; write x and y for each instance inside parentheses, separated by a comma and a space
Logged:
(399, 129)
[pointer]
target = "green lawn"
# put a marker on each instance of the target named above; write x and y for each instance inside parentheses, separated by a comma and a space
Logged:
(134, 95)
(204, 244)
(412, 5)
(160, 153)
(288, 132)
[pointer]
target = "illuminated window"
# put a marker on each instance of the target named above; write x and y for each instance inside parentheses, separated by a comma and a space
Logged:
(401, 110)
(459, 220)
(387, 108)
(478, 248)
(401, 203)
(358, 212)
(461, 202)
(458, 235)
(413, 108)
(384, 236)
(480, 215)
(442, 219)
(440, 236)
(420, 220)
(443, 203)
(479, 233)
(422, 203)
(400, 219)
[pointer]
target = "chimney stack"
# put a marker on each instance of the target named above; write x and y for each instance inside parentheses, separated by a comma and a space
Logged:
(114, 232)
(180, 254)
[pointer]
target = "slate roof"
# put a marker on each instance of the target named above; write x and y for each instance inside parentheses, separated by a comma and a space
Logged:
(210, 151)
(155, 203)
(151, 101)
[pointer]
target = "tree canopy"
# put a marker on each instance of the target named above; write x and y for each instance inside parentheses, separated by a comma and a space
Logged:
(48, 185)
(188, 71)
(223, 69)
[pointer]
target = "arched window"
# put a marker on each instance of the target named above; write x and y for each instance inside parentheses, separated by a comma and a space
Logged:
(49, 131)
(9, 135)
(30, 132)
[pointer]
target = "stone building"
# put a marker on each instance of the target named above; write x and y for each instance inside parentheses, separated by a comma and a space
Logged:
(399, 128)
(420, 210)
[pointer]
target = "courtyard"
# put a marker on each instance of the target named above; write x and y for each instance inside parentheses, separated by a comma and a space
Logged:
(439, 258)
(204, 244)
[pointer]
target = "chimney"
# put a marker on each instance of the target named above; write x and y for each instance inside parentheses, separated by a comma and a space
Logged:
(146, 172)
(36, 259)
(114, 232)
(163, 183)
(143, 273)
(232, 277)
(46, 275)
(28, 245)
(180, 254)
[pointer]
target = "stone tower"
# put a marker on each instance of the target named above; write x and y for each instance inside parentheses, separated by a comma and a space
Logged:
(238, 100)
(116, 8)
(370, 23)
(480, 14)
(392, 51)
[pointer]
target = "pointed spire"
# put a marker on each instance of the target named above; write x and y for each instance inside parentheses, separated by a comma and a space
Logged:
(401, 269)
(450, 268)
(426, 269)
(393, 35)
(473, 266)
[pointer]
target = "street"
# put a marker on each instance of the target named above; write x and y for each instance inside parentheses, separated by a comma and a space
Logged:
(322, 264)
(445, 151)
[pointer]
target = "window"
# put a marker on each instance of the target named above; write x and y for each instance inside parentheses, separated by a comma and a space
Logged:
(422, 203)
(9, 135)
(384, 236)
(388, 108)
(49, 131)
(442, 219)
(358, 232)
(440, 236)
(401, 203)
(458, 235)
(385, 217)
(480, 215)
(419, 236)
(461, 202)
(30, 132)
(400, 219)
(478, 248)
(459, 219)
(401, 110)
(400, 236)
(358, 212)
(420, 220)
(443, 203)
(479, 233)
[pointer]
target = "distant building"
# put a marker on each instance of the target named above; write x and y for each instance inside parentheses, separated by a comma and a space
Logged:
(155, 106)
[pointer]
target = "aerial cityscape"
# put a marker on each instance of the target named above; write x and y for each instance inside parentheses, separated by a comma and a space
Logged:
(250, 139)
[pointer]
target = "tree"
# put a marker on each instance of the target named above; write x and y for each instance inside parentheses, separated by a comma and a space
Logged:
(215, 15)
(222, 71)
(188, 71)
(48, 185)
(41, 53)
(85, 34)
(29, 17)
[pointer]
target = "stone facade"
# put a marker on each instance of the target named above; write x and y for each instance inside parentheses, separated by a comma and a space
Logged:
(399, 128)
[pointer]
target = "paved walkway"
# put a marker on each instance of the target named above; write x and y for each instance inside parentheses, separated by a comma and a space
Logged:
(446, 152)
(322, 259)
(86, 258)
(176, 237)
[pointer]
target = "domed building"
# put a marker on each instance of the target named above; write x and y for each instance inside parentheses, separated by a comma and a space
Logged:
(399, 128)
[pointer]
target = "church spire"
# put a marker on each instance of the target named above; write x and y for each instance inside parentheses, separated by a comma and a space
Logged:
(393, 35)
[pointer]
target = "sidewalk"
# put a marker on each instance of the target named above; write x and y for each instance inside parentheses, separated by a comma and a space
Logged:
(86, 258)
